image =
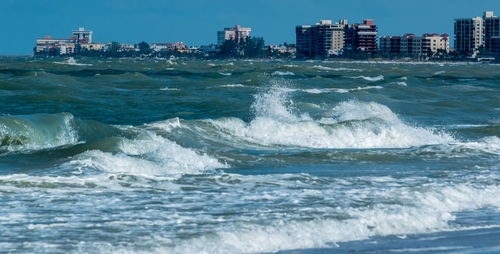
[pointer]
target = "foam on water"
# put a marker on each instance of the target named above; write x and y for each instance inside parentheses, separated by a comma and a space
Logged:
(169, 89)
(351, 124)
(282, 73)
(397, 210)
(232, 85)
(148, 154)
(72, 61)
(371, 79)
(324, 68)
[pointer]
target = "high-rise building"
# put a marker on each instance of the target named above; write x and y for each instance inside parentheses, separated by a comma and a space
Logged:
(236, 33)
(491, 29)
(468, 35)
(83, 36)
(326, 39)
(304, 41)
(496, 48)
(321, 40)
(362, 37)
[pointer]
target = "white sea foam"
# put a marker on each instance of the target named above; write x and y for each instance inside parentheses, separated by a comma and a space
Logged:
(415, 210)
(338, 90)
(283, 73)
(232, 85)
(72, 61)
(324, 68)
(354, 125)
(150, 155)
(225, 73)
(401, 83)
(169, 89)
(372, 79)
(439, 72)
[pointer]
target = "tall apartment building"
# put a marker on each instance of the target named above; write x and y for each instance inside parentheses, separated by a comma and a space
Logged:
(412, 45)
(236, 33)
(468, 35)
(496, 48)
(325, 38)
(491, 29)
(304, 41)
(82, 36)
(322, 40)
(362, 37)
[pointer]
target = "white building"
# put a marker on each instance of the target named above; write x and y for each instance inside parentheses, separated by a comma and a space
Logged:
(236, 33)
(83, 36)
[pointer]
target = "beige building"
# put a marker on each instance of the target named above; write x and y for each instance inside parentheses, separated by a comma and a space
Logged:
(435, 42)
(93, 46)
(236, 33)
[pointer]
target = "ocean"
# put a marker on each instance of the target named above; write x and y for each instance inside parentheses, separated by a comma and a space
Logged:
(247, 156)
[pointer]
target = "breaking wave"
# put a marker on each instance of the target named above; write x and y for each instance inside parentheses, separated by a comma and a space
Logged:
(351, 124)
(148, 154)
(34, 132)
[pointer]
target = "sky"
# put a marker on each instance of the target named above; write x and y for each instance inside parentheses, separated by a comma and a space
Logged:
(196, 22)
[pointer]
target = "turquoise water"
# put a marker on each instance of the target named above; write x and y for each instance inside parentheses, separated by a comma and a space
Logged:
(185, 156)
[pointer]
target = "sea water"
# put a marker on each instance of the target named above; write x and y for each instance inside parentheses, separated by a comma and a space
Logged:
(191, 156)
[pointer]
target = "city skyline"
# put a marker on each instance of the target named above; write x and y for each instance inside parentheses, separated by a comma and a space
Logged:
(275, 21)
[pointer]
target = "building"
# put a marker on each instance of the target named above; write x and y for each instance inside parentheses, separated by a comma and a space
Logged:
(47, 44)
(361, 37)
(82, 36)
(468, 36)
(390, 44)
(304, 41)
(236, 33)
(177, 46)
(496, 48)
(92, 46)
(412, 45)
(435, 42)
(325, 39)
(491, 29)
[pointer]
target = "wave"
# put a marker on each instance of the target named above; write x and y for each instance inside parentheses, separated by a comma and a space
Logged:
(283, 73)
(398, 211)
(324, 68)
(34, 132)
(338, 90)
(232, 85)
(351, 124)
(72, 61)
(170, 89)
(147, 154)
(371, 79)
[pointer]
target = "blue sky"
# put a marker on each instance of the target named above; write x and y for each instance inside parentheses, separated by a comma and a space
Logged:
(195, 22)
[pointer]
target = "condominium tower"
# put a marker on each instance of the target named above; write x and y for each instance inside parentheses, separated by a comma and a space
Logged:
(325, 39)
(474, 34)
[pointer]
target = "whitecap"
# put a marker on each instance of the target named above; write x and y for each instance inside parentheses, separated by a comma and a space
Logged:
(282, 73)
(372, 79)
